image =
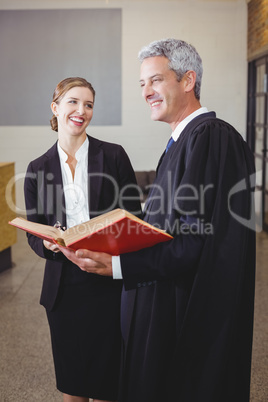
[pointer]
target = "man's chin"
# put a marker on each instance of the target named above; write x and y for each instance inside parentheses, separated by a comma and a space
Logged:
(156, 116)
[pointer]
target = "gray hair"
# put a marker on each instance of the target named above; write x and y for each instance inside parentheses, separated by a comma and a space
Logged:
(181, 55)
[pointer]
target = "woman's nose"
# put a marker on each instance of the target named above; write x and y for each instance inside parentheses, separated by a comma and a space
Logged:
(81, 108)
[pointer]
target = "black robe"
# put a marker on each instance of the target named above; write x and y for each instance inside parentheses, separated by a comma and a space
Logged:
(187, 306)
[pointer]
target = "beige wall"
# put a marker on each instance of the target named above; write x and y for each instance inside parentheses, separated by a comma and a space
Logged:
(218, 29)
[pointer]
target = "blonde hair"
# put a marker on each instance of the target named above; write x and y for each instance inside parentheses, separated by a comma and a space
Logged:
(62, 88)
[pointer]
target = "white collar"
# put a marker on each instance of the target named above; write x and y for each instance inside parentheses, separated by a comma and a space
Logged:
(181, 126)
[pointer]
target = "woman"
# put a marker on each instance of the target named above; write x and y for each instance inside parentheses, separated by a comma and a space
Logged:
(78, 178)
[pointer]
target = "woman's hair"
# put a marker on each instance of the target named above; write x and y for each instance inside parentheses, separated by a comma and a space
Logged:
(62, 88)
(182, 58)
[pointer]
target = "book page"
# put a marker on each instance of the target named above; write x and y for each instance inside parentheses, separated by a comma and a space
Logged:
(37, 228)
(93, 225)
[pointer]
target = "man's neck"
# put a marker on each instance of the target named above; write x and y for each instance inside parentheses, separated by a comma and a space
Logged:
(186, 112)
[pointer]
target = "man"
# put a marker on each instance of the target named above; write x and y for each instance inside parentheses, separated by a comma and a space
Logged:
(187, 305)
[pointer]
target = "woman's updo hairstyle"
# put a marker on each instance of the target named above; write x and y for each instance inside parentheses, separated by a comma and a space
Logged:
(62, 88)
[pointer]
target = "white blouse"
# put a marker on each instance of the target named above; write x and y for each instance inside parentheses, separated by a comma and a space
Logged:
(75, 190)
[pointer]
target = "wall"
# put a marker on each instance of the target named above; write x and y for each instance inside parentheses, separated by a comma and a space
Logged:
(218, 29)
(24, 32)
(257, 28)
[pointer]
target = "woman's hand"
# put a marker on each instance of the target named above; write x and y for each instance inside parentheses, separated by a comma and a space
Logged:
(51, 246)
(90, 261)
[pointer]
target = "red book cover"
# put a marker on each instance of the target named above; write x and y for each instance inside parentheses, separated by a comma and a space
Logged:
(123, 236)
(115, 232)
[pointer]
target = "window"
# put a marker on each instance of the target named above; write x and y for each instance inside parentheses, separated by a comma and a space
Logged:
(257, 132)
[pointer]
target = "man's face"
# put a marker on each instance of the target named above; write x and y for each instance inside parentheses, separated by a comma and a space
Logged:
(162, 91)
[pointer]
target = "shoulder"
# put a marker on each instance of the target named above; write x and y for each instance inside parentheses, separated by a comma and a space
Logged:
(217, 141)
(108, 148)
(104, 144)
(36, 164)
(214, 139)
(209, 129)
(208, 125)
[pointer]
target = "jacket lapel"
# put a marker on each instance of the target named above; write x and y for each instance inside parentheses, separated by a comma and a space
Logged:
(54, 187)
(95, 174)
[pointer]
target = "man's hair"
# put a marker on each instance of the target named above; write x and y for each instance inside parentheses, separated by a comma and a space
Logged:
(181, 55)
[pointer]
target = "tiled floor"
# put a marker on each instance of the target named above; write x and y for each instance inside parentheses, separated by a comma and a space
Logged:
(26, 367)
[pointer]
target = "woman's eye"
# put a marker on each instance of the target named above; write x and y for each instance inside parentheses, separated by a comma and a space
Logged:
(72, 101)
(90, 106)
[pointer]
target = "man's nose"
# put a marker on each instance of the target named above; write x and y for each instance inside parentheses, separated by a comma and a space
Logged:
(147, 90)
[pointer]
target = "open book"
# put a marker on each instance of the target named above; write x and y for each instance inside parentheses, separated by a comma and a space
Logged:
(114, 232)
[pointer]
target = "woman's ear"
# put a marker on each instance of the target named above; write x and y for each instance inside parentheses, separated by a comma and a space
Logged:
(190, 80)
(54, 108)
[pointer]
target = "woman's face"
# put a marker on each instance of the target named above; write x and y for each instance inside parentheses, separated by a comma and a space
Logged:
(74, 111)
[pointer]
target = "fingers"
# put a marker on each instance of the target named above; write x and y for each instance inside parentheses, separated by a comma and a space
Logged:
(93, 255)
(51, 246)
(90, 261)
(70, 254)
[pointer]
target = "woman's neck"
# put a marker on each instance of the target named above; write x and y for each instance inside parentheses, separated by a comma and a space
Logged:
(70, 145)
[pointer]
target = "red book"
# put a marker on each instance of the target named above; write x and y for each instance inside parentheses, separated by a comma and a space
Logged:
(115, 232)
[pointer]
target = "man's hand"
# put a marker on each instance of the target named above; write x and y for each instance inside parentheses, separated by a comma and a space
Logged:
(90, 261)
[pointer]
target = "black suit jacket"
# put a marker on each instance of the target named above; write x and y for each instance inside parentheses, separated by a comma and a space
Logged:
(109, 175)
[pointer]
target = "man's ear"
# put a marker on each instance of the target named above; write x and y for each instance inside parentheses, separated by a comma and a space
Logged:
(190, 78)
